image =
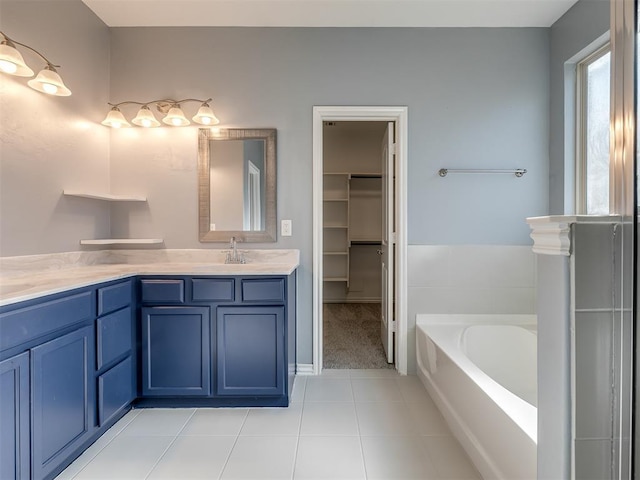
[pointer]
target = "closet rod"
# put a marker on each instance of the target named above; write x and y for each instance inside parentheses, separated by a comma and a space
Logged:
(518, 172)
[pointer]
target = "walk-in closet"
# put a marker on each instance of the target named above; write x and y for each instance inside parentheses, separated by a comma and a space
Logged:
(352, 233)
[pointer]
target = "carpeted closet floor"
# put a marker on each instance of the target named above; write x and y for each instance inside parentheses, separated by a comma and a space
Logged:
(352, 336)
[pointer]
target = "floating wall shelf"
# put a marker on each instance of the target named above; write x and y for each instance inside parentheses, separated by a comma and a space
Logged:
(106, 196)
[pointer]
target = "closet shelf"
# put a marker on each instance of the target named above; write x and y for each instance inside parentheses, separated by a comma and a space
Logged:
(336, 226)
(366, 241)
(105, 196)
(123, 241)
(336, 253)
(335, 279)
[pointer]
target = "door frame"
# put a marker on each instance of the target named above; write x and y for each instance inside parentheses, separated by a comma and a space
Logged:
(399, 115)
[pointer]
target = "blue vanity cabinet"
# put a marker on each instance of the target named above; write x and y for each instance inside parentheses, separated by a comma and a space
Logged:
(14, 418)
(176, 352)
(250, 353)
(63, 398)
(115, 351)
(217, 340)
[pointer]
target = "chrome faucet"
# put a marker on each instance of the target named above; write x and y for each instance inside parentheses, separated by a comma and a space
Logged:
(232, 255)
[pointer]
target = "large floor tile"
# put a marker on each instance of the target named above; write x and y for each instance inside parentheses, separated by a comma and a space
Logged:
(329, 418)
(215, 421)
(384, 419)
(254, 458)
(373, 373)
(126, 457)
(326, 458)
(376, 390)
(194, 458)
(336, 372)
(326, 389)
(427, 419)
(273, 421)
(449, 459)
(412, 390)
(158, 421)
(397, 457)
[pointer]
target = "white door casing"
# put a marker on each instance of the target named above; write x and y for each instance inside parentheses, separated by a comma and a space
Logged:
(398, 115)
(387, 245)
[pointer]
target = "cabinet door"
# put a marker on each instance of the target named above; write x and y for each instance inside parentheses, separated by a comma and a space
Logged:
(176, 353)
(250, 351)
(14, 417)
(116, 390)
(63, 398)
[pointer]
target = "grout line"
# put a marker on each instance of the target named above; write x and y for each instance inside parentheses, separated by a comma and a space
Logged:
(235, 442)
(175, 437)
(355, 408)
(105, 445)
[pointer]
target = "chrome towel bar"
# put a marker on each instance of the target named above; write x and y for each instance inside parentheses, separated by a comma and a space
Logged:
(518, 172)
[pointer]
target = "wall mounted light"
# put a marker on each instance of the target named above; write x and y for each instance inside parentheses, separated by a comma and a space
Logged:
(11, 62)
(172, 110)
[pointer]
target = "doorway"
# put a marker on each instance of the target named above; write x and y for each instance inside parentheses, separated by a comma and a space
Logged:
(353, 288)
(352, 252)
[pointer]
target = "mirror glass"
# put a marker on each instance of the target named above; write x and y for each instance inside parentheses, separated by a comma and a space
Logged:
(237, 185)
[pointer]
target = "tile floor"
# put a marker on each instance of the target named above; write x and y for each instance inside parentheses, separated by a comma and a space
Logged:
(344, 424)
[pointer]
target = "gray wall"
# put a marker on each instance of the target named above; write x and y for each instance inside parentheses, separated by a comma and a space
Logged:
(476, 98)
(577, 33)
(53, 143)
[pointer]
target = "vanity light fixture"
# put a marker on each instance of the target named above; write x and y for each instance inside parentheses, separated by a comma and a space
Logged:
(11, 62)
(174, 115)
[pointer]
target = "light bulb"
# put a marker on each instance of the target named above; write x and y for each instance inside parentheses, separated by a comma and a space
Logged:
(49, 88)
(176, 122)
(146, 123)
(8, 67)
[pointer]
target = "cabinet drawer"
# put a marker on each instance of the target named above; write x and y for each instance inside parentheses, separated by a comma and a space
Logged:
(114, 297)
(263, 290)
(162, 291)
(213, 289)
(114, 336)
(25, 324)
(115, 390)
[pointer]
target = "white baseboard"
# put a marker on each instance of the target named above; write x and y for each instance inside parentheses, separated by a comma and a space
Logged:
(304, 369)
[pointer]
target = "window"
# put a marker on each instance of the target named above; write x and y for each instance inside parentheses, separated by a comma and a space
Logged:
(593, 117)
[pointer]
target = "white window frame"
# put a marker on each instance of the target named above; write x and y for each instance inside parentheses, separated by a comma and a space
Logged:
(581, 126)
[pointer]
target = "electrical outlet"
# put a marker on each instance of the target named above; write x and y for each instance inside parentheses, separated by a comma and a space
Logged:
(285, 228)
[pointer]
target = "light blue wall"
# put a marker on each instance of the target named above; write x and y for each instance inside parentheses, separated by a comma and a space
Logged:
(476, 98)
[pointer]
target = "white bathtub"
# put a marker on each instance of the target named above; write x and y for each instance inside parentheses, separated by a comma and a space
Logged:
(481, 372)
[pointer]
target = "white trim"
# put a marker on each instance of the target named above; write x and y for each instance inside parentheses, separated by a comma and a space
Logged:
(305, 369)
(399, 115)
(549, 237)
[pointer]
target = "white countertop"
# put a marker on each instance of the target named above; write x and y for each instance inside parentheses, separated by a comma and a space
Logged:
(26, 278)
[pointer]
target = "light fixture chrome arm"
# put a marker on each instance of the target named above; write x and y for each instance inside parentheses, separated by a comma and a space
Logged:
(12, 43)
(161, 102)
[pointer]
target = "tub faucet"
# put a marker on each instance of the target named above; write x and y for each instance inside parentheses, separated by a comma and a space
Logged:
(233, 256)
